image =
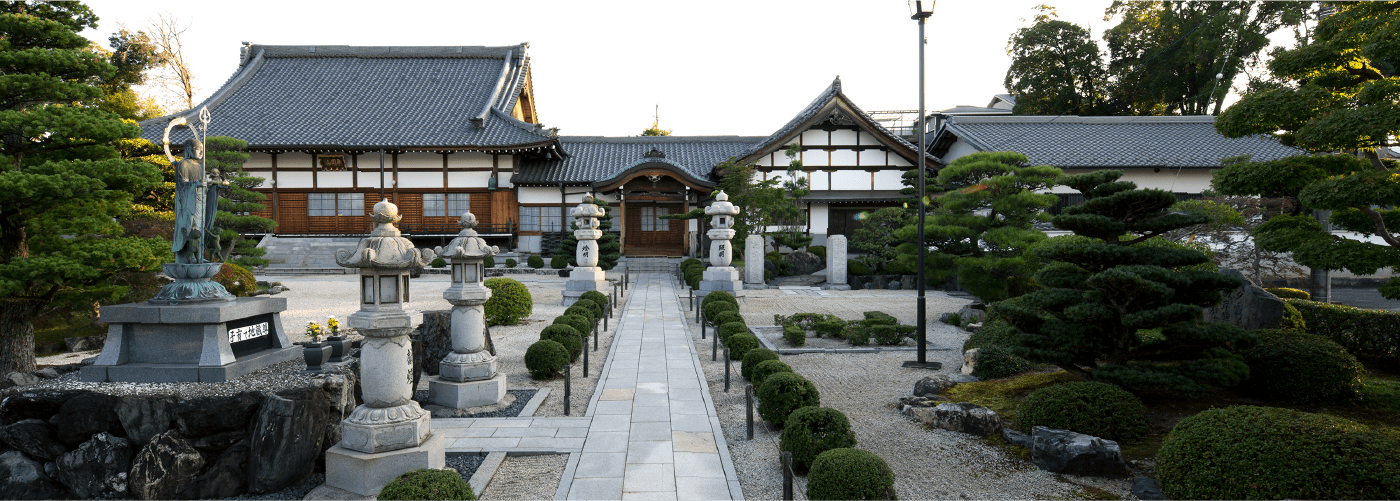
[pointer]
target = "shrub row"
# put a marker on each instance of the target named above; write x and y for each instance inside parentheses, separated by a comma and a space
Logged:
(562, 341)
(1361, 332)
(883, 327)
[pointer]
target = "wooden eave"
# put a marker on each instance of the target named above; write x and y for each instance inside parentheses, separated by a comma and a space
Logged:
(654, 167)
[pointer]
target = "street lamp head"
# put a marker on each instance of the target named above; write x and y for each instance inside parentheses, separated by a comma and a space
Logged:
(920, 9)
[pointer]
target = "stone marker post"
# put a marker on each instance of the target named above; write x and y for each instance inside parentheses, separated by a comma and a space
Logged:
(389, 434)
(587, 276)
(753, 262)
(836, 263)
(467, 376)
(720, 276)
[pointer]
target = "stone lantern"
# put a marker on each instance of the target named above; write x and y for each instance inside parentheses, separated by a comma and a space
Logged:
(720, 276)
(587, 276)
(389, 434)
(467, 376)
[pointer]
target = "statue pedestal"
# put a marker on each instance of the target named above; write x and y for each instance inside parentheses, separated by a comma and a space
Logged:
(462, 395)
(366, 474)
(717, 278)
(582, 280)
(201, 342)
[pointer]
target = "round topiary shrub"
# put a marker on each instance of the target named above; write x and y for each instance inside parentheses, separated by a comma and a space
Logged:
(810, 431)
(1301, 368)
(510, 263)
(854, 268)
(438, 263)
(488, 261)
(1089, 407)
(752, 359)
(583, 311)
(740, 344)
(719, 296)
(579, 323)
(718, 307)
(596, 308)
(571, 338)
(1248, 452)
(236, 279)
(535, 261)
(1292, 319)
(428, 484)
(731, 329)
(559, 261)
(726, 317)
(784, 392)
(794, 335)
(996, 362)
(510, 301)
(850, 474)
(765, 369)
(596, 297)
(546, 359)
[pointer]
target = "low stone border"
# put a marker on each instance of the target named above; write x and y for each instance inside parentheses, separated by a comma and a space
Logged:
(488, 468)
(767, 343)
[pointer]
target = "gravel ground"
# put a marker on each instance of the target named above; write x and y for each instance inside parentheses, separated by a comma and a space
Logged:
(465, 464)
(526, 477)
(518, 399)
(298, 490)
(928, 463)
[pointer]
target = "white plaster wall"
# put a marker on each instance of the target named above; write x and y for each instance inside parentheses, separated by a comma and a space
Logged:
(468, 179)
(765, 161)
(468, 159)
(370, 179)
(420, 179)
(844, 137)
(293, 160)
(421, 161)
(611, 199)
(814, 138)
(898, 161)
(258, 161)
(818, 181)
(867, 139)
(503, 179)
(266, 175)
(850, 180)
(844, 157)
(889, 179)
(538, 195)
(1189, 181)
(872, 157)
(959, 148)
(293, 179)
(816, 158)
(337, 179)
(819, 217)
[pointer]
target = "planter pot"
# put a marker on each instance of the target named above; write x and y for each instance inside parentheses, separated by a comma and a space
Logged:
(564, 273)
(316, 354)
(340, 347)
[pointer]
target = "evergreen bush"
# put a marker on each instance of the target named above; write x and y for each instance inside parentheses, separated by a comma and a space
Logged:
(766, 368)
(1292, 319)
(888, 335)
(716, 307)
(488, 261)
(850, 474)
(1287, 293)
(731, 329)
(726, 317)
(857, 333)
(1302, 368)
(1248, 452)
(535, 261)
(1360, 331)
(236, 279)
(994, 332)
(784, 392)
(996, 362)
(510, 263)
(856, 268)
(579, 323)
(819, 250)
(510, 301)
(428, 484)
(438, 263)
(596, 297)
(740, 344)
(879, 318)
(546, 359)
(582, 311)
(810, 431)
(714, 296)
(752, 359)
(594, 307)
(829, 327)
(794, 335)
(558, 261)
(1089, 407)
(565, 335)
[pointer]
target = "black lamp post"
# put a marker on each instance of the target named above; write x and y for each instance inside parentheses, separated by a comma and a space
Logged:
(921, 10)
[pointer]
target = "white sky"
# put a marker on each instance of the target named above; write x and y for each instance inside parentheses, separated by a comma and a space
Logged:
(716, 67)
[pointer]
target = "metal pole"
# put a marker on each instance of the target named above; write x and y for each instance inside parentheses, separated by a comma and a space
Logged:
(702, 326)
(787, 476)
(714, 348)
(726, 369)
(748, 407)
(381, 174)
(568, 371)
(922, 246)
(585, 354)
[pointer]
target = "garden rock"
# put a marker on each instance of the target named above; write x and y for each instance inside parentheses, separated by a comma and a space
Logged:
(24, 478)
(97, 468)
(1248, 306)
(944, 318)
(164, 467)
(1147, 488)
(960, 417)
(972, 315)
(227, 478)
(33, 437)
(804, 263)
(22, 378)
(204, 416)
(1016, 438)
(920, 401)
(35, 405)
(933, 385)
(47, 373)
(85, 415)
(973, 328)
(286, 439)
(219, 441)
(969, 361)
(894, 285)
(1064, 451)
(339, 390)
(145, 417)
(436, 334)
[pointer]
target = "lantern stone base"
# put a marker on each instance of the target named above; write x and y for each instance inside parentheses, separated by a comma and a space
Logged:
(721, 279)
(582, 280)
(464, 367)
(366, 474)
(377, 430)
(455, 395)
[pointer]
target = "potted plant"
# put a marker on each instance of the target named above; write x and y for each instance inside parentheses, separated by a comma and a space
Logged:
(315, 352)
(337, 341)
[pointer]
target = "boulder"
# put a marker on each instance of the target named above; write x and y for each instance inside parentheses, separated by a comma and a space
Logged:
(969, 361)
(1146, 488)
(78, 344)
(966, 418)
(1064, 451)
(219, 441)
(34, 405)
(97, 468)
(86, 415)
(226, 478)
(1247, 306)
(929, 401)
(894, 285)
(804, 263)
(933, 385)
(910, 282)
(24, 478)
(973, 328)
(47, 373)
(22, 378)
(204, 416)
(287, 437)
(33, 437)
(339, 390)
(144, 417)
(164, 467)
(436, 335)
(1016, 438)
(972, 315)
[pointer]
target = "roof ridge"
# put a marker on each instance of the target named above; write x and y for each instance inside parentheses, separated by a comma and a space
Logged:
(381, 51)
(536, 129)
(659, 139)
(234, 83)
(1076, 119)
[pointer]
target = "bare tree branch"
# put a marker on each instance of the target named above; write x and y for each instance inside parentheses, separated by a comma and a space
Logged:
(166, 31)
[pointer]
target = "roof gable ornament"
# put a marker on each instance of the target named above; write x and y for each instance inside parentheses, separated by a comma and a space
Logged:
(839, 117)
(654, 153)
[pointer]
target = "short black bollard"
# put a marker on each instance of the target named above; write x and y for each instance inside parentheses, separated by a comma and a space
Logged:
(568, 371)
(595, 337)
(698, 317)
(605, 324)
(748, 407)
(726, 369)
(702, 329)
(714, 348)
(585, 355)
(691, 296)
(787, 476)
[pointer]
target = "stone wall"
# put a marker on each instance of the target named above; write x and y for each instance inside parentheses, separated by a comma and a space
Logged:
(62, 444)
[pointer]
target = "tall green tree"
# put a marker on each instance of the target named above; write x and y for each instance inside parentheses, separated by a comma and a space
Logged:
(793, 230)
(1339, 91)
(1117, 308)
(609, 249)
(761, 200)
(1056, 68)
(62, 181)
(237, 205)
(133, 55)
(984, 222)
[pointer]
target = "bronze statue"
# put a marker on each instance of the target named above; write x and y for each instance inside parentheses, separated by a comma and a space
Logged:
(190, 204)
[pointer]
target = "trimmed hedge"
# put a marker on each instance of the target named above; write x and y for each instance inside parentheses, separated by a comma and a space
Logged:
(766, 368)
(794, 335)
(716, 307)
(546, 358)
(1287, 293)
(994, 332)
(1361, 332)
(810, 431)
(579, 323)
(510, 301)
(740, 344)
(727, 317)
(236, 279)
(1248, 452)
(596, 308)
(850, 474)
(535, 261)
(559, 261)
(996, 362)
(857, 333)
(582, 311)
(752, 359)
(596, 297)
(569, 337)
(886, 334)
(819, 250)
(510, 263)
(1302, 368)
(428, 484)
(1292, 319)
(783, 393)
(731, 329)
(1089, 407)
(719, 296)
(879, 318)
(855, 268)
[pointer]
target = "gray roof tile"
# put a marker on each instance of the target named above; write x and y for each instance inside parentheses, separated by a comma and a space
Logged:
(831, 93)
(594, 158)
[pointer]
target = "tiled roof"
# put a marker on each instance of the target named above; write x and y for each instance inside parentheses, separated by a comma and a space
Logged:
(1110, 142)
(370, 97)
(593, 158)
(964, 109)
(1006, 98)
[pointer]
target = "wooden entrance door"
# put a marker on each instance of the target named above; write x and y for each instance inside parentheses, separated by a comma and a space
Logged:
(649, 235)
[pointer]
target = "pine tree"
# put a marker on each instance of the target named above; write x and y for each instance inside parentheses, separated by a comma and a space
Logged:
(1119, 309)
(237, 205)
(62, 181)
(609, 249)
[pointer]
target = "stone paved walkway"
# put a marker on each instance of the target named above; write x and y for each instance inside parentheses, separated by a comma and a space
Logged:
(650, 430)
